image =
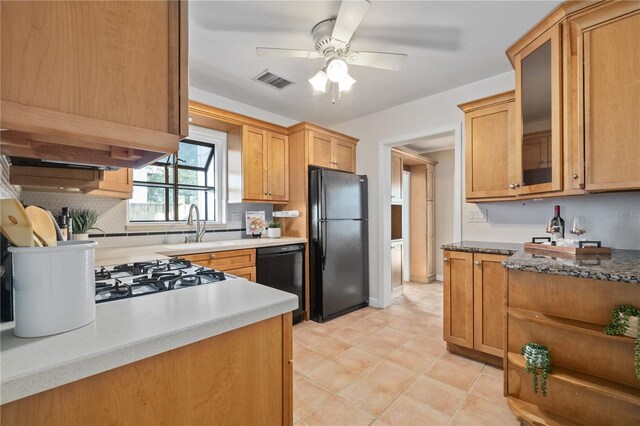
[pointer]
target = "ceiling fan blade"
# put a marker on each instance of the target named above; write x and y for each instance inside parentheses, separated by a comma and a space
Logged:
(385, 61)
(349, 17)
(270, 52)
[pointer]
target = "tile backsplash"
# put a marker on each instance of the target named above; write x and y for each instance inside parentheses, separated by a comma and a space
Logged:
(6, 189)
(113, 219)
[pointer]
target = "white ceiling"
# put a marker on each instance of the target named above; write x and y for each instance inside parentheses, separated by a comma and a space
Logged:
(449, 43)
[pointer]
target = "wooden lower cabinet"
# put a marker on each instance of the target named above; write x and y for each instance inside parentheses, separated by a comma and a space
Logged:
(226, 261)
(396, 267)
(474, 302)
(593, 378)
(243, 377)
(248, 273)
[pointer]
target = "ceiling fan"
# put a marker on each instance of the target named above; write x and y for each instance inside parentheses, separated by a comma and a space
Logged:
(331, 38)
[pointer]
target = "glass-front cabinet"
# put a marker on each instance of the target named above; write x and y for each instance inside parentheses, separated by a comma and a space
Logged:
(536, 165)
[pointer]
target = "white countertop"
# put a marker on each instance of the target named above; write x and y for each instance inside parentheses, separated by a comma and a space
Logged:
(115, 256)
(129, 330)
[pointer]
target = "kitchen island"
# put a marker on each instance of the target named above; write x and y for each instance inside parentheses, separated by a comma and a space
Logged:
(210, 354)
(563, 304)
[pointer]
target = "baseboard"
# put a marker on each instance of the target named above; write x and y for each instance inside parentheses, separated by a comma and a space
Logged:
(422, 280)
(439, 277)
(374, 303)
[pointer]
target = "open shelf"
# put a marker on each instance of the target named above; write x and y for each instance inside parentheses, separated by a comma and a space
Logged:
(567, 324)
(533, 415)
(591, 383)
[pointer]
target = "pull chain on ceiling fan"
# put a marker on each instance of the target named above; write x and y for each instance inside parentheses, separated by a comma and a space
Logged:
(332, 38)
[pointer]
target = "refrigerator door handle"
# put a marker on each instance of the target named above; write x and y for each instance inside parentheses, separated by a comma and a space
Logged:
(323, 244)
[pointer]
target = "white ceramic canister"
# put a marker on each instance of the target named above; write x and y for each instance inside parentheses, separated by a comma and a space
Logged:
(53, 287)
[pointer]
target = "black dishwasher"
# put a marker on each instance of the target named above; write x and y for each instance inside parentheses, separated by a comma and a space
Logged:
(282, 267)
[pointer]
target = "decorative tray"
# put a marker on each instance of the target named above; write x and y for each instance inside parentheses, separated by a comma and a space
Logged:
(584, 249)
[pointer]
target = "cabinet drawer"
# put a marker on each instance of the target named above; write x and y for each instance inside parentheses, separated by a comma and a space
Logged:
(225, 260)
(248, 273)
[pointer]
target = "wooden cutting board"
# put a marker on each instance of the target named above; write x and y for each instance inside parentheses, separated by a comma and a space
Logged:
(43, 226)
(15, 223)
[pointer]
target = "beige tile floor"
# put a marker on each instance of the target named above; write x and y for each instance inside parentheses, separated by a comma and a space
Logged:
(390, 367)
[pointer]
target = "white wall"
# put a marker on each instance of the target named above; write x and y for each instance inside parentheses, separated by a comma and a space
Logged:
(444, 201)
(618, 226)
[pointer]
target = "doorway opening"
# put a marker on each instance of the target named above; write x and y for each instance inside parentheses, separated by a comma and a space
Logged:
(424, 210)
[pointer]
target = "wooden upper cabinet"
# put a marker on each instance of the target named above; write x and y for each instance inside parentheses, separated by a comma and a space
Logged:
(489, 146)
(611, 84)
(331, 152)
(93, 82)
(254, 166)
(278, 167)
(396, 178)
(320, 150)
(538, 110)
(345, 155)
(115, 184)
(265, 165)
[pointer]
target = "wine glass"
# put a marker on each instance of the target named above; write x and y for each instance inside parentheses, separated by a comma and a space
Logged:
(578, 225)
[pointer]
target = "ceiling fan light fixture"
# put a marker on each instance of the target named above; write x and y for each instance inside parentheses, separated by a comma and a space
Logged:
(345, 84)
(319, 81)
(337, 69)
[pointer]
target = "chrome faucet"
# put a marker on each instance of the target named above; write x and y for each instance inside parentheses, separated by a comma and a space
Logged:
(200, 229)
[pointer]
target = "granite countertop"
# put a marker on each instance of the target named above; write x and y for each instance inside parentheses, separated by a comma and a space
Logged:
(622, 266)
(487, 247)
(129, 330)
(115, 256)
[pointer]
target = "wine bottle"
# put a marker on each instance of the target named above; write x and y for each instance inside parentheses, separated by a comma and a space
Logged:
(557, 224)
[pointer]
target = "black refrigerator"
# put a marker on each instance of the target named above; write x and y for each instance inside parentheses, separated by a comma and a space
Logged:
(339, 246)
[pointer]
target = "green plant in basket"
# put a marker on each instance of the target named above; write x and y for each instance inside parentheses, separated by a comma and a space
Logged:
(625, 320)
(537, 357)
(83, 220)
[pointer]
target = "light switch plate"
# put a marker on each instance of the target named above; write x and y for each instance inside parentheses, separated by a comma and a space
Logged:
(477, 215)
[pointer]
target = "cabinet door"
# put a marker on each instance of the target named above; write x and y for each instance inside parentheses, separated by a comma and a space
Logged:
(320, 150)
(458, 298)
(538, 112)
(396, 178)
(254, 164)
(278, 167)
(431, 182)
(344, 155)
(93, 72)
(225, 260)
(488, 151)
(396, 266)
(431, 239)
(488, 303)
(612, 105)
(116, 184)
(248, 273)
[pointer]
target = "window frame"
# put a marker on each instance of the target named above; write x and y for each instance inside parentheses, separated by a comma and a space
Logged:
(197, 136)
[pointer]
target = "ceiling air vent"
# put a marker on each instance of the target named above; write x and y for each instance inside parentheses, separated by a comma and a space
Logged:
(272, 80)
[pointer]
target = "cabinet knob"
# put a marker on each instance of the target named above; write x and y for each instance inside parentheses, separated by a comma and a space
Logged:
(477, 263)
(213, 256)
(575, 176)
(445, 260)
(265, 193)
(512, 186)
(269, 193)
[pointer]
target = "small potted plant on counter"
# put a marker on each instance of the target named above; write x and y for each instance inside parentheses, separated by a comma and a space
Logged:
(82, 220)
(625, 320)
(273, 230)
(537, 357)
